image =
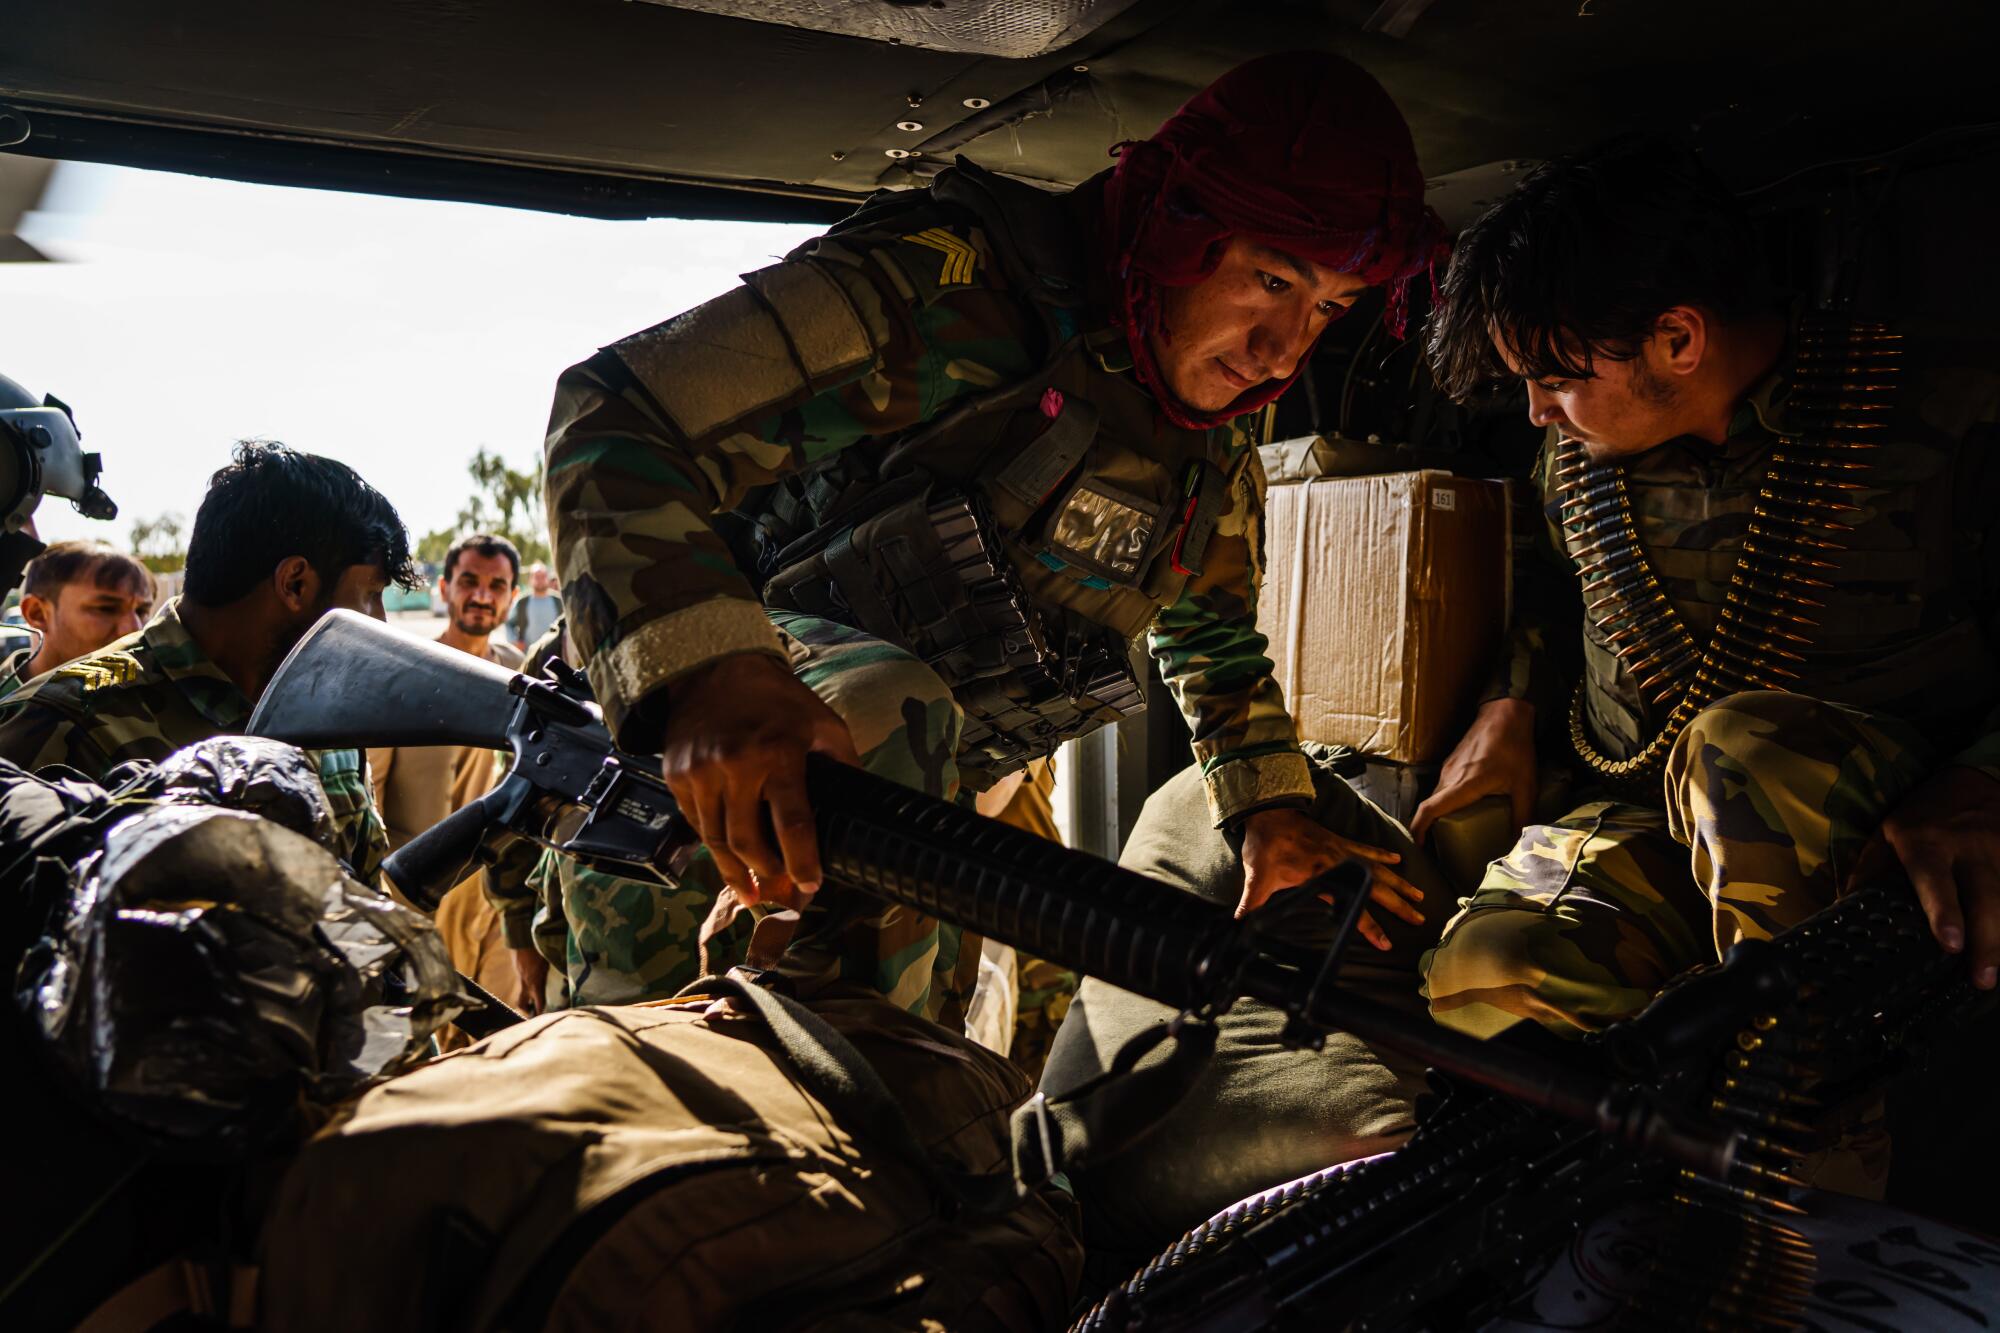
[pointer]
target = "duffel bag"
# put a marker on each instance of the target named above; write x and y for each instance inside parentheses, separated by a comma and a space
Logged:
(673, 1166)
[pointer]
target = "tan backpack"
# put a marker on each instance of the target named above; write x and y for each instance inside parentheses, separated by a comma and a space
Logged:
(665, 1167)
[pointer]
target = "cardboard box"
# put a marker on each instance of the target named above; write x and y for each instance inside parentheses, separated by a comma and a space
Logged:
(1384, 599)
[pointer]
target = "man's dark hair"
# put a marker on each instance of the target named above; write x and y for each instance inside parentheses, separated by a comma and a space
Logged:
(272, 503)
(64, 563)
(1582, 258)
(488, 544)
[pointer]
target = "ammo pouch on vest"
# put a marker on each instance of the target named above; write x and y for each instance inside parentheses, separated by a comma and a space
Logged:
(925, 569)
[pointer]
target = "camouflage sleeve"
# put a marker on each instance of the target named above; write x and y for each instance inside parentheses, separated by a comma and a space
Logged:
(359, 836)
(1213, 658)
(510, 891)
(652, 437)
(33, 736)
(1546, 608)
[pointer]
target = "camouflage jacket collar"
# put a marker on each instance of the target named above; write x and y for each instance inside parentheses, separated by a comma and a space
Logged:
(176, 656)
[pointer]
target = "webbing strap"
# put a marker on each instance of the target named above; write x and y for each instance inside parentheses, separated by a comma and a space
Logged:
(842, 1080)
(1107, 1114)
(1096, 1120)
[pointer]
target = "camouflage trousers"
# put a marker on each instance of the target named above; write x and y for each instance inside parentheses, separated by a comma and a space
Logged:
(1766, 801)
(907, 728)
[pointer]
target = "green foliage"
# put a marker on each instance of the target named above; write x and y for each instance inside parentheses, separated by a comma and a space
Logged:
(504, 501)
(160, 543)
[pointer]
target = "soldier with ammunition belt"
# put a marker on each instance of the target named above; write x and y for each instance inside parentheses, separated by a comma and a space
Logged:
(907, 496)
(1777, 530)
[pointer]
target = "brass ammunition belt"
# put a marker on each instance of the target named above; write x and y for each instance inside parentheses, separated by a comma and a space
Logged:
(1844, 380)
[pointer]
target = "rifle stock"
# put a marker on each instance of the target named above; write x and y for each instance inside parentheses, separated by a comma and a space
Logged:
(353, 681)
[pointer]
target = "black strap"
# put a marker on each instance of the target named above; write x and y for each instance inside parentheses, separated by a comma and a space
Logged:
(1108, 1114)
(842, 1080)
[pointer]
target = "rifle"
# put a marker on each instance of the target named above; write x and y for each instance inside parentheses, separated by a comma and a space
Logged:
(354, 681)
(1785, 1039)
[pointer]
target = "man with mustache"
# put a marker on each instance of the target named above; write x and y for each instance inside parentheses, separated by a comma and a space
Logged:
(908, 497)
(417, 786)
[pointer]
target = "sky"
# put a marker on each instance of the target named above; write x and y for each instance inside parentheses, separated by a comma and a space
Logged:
(396, 335)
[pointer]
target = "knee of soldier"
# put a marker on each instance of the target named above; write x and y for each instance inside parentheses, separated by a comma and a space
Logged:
(1485, 968)
(1752, 717)
(1498, 966)
(1738, 730)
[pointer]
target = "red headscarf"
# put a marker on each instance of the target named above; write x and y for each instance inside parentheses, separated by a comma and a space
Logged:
(1300, 151)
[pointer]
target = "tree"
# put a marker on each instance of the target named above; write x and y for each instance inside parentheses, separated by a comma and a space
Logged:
(157, 542)
(506, 502)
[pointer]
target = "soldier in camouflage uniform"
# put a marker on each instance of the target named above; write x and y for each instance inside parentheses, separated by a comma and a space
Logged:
(987, 433)
(1811, 501)
(77, 596)
(280, 539)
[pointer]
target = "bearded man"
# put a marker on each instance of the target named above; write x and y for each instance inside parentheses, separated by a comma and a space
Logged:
(907, 497)
(417, 786)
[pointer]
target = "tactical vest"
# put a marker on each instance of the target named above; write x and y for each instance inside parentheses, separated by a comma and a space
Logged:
(1019, 542)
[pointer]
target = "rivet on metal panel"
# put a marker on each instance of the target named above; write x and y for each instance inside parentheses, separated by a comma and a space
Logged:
(909, 126)
(897, 152)
(977, 103)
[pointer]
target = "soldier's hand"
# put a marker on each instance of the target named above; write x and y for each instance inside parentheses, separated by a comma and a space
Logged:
(738, 732)
(1947, 835)
(1282, 848)
(531, 972)
(1495, 757)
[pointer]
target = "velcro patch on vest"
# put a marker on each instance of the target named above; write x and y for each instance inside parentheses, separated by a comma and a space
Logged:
(1033, 474)
(959, 261)
(786, 333)
(102, 672)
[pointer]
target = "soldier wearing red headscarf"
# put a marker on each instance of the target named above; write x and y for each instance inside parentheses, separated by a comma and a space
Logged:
(908, 496)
